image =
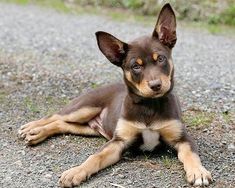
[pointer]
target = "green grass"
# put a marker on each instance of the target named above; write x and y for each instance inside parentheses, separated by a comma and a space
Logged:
(21, 2)
(197, 119)
(2, 96)
(167, 161)
(56, 4)
(53, 104)
(229, 117)
(31, 105)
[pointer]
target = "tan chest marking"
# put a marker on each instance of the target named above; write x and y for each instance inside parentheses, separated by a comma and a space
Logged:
(170, 130)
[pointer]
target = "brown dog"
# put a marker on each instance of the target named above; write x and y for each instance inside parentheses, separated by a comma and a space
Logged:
(144, 107)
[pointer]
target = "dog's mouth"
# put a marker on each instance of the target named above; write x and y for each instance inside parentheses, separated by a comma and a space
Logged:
(150, 94)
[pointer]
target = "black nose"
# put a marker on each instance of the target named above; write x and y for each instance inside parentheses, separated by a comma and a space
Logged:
(155, 85)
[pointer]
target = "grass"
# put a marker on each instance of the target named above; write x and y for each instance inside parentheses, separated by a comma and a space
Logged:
(2, 96)
(56, 4)
(167, 161)
(53, 104)
(31, 105)
(211, 28)
(229, 117)
(198, 119)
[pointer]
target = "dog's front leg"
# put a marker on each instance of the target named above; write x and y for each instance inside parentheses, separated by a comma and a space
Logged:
(109, 154)
(195, 172)
(175, 135)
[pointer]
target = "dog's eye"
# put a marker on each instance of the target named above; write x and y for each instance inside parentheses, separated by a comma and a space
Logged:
(136, 67)
(161, 59)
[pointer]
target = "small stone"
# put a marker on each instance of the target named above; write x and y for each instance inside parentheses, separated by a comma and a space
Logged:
(19, 163)
(121, 176)
(48, 176)
(224, 142)
(231, 147)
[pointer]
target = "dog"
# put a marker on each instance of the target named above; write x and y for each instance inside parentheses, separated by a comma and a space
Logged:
(144, 107)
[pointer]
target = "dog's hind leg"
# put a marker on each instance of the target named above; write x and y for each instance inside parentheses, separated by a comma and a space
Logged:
(74, 123)
(38, 134)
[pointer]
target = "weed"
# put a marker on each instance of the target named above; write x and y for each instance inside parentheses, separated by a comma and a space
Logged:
(2, 96)
(167, 161)
(228, 15)
(198, 119)
(30, 105)
(229, 117)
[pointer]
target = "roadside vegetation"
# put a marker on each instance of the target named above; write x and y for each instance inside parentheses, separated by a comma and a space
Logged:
(214, 15)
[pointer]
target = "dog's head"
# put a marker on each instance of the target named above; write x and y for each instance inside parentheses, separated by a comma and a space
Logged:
(146, 61)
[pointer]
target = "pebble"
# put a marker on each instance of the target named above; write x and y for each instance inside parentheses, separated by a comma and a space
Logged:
(231, 147)
(19, 163)
(48, 176)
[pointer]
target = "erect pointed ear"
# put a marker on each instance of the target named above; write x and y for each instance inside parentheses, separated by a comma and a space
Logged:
(114, 49)
(165, 29)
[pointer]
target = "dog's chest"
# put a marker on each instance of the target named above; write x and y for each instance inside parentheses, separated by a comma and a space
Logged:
(150, 140)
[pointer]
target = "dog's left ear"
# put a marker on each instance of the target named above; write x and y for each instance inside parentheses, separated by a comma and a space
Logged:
(114, 49)
(165, 29)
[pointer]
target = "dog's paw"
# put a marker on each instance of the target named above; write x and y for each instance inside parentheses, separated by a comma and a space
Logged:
(32, 135)
(199, 176)
(24, 129)
(73, 177)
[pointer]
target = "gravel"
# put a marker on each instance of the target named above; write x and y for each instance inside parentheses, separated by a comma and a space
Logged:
(48, 58)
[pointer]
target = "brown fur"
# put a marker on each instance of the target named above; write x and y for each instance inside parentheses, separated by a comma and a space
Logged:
(143, 108)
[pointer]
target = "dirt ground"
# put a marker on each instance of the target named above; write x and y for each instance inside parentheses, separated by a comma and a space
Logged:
(48, 58)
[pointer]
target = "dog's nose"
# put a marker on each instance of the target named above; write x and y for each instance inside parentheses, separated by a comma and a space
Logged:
(155, 85)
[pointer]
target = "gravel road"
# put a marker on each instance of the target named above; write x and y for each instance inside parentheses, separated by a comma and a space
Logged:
(48, 58)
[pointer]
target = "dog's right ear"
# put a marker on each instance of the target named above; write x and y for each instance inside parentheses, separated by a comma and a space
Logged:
(114, 49)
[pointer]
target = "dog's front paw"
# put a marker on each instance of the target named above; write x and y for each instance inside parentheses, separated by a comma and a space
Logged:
(73, 177)
(198, 176)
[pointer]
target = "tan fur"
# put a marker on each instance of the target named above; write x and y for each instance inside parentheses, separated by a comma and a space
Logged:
(139, 61)
(37, 131)
(82, 115)
(155, 56)
(195, 172)
(142, 87)
(38, 134)
(106, 157)
(170, 130)
(127, 129)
